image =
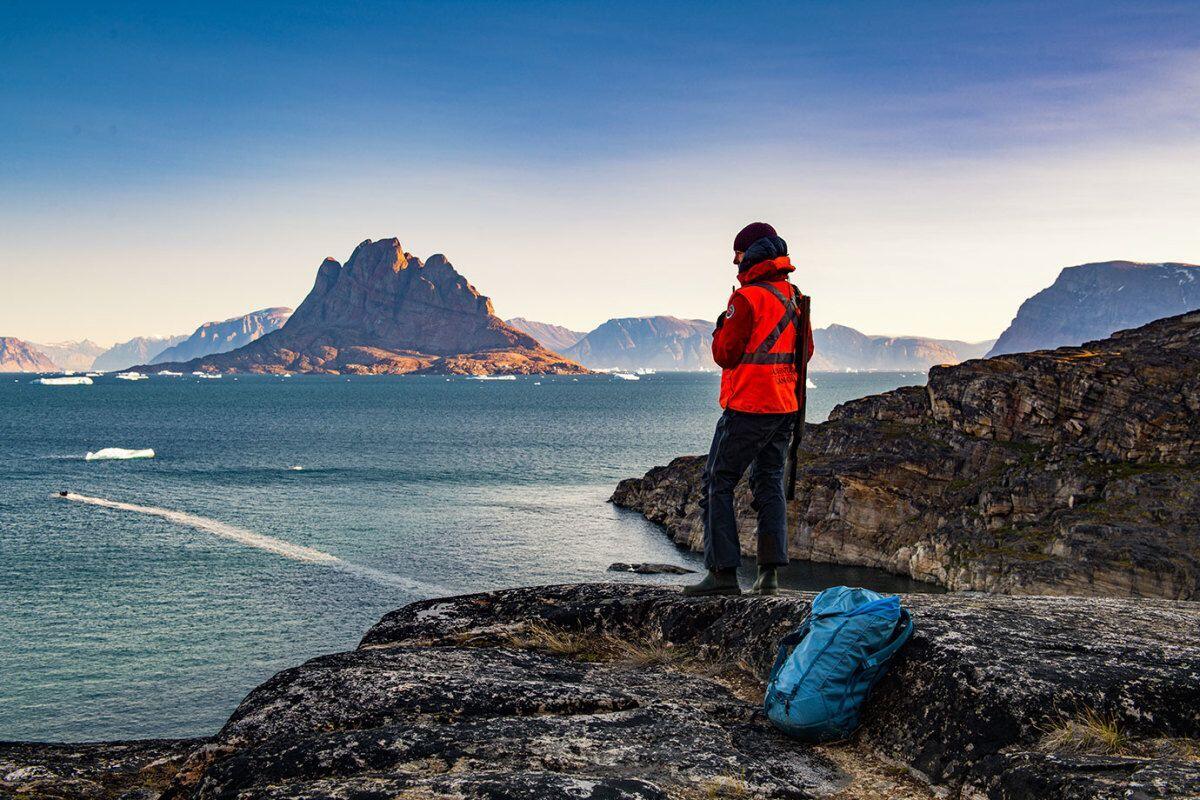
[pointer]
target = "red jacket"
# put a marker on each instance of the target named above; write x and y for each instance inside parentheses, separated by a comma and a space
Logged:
(755, 388)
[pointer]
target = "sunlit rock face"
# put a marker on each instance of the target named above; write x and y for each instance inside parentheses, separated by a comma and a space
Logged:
(1091, 301)
(386, 311)
(1069, 471)
(17, 355)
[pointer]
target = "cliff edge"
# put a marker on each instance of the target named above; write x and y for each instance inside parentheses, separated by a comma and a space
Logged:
(1068, 471)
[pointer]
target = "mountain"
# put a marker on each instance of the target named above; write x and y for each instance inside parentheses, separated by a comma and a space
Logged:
(20, 356)
(1090, 301)
(652, 342)
(1069, 471)
(137, 350)
(221, 337)
(555, 337)
(71, 356)
(840, 348)
(386, 311)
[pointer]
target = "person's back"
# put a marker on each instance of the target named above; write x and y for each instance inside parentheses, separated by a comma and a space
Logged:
(755, 344)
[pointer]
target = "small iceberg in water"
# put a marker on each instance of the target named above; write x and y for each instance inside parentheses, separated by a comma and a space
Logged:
(67, 380)
(493, 377)
(166, 373)
(117, 453)
(132, 376)
(626, 376)
(295, 468)
(808, 384)
(199, 374)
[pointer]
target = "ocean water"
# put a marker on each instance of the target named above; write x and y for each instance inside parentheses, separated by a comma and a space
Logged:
(281, 517)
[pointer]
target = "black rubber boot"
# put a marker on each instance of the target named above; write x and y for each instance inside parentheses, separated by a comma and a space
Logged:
(714, 583)
(768, 581)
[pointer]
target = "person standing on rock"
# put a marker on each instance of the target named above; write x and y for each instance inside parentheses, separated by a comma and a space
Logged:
(755, 344)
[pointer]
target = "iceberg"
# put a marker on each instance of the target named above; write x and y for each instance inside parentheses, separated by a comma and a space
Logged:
(626, 376)
(493, 377)
(808, 384)
(131, 376)
(207, 374)
(117, 453)
(166, 373)
(70, 380)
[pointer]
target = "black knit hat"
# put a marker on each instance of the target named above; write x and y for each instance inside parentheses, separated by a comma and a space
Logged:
(751, 234)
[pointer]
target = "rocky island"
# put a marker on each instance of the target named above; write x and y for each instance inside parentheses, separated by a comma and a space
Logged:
(1068, 471)
(387, 311)
(625, 692)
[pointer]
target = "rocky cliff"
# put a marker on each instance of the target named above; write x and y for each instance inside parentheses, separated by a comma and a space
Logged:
(1069, 471)
(622, 692)
(20, 356)
(386, 311)
(841, 348)
(138, 350)
(221, 337)
(1091, 301)
(667, 343)
(554, 337)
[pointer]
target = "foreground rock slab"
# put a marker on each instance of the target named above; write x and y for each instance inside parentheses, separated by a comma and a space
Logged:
(623, 691)
(1069, 471)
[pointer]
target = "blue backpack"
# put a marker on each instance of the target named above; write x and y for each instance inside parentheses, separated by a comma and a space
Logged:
(841, 650)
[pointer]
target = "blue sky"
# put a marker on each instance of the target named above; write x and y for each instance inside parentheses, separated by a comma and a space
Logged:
(932, 164)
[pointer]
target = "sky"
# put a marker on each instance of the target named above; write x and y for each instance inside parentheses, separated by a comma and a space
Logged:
(930, 164)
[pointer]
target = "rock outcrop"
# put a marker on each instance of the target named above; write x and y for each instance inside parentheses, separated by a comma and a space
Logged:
(1071, 471)
(841, 348)
(667, 343)
(221, 337)
(625, 692)
(138, 350)
(1091, 301)
(20, 356)
(553, 337)
(386, 311)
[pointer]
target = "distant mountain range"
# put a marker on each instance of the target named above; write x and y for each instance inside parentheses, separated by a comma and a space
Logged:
(1092, 301)
(671, 343)
(556, 337)
(839, 348)
(386, 311)
(70, 356)
(17, 355)
(137, 350)
(221, 337)
(667, 343)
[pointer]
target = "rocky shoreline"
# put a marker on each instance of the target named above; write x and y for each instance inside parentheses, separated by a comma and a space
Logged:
(1070, 471)
(624, 692)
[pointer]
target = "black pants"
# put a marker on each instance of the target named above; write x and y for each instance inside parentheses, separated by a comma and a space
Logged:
(758, 442)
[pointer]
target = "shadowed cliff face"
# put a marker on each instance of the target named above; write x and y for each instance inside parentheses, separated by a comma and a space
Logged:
(1091, 301)
(1072, 471)
(626, 692)
(386, 311)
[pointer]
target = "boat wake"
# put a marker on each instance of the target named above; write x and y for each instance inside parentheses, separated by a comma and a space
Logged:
(296, 552)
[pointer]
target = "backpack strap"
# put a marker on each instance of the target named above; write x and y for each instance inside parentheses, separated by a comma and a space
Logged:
(787, 643)
(905, 627)
(791, 316)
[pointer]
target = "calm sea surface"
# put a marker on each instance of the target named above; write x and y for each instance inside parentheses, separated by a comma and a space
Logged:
(120, 623)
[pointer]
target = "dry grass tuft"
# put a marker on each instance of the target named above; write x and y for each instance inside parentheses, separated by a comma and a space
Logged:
(1088, 732)
(1092, 733)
